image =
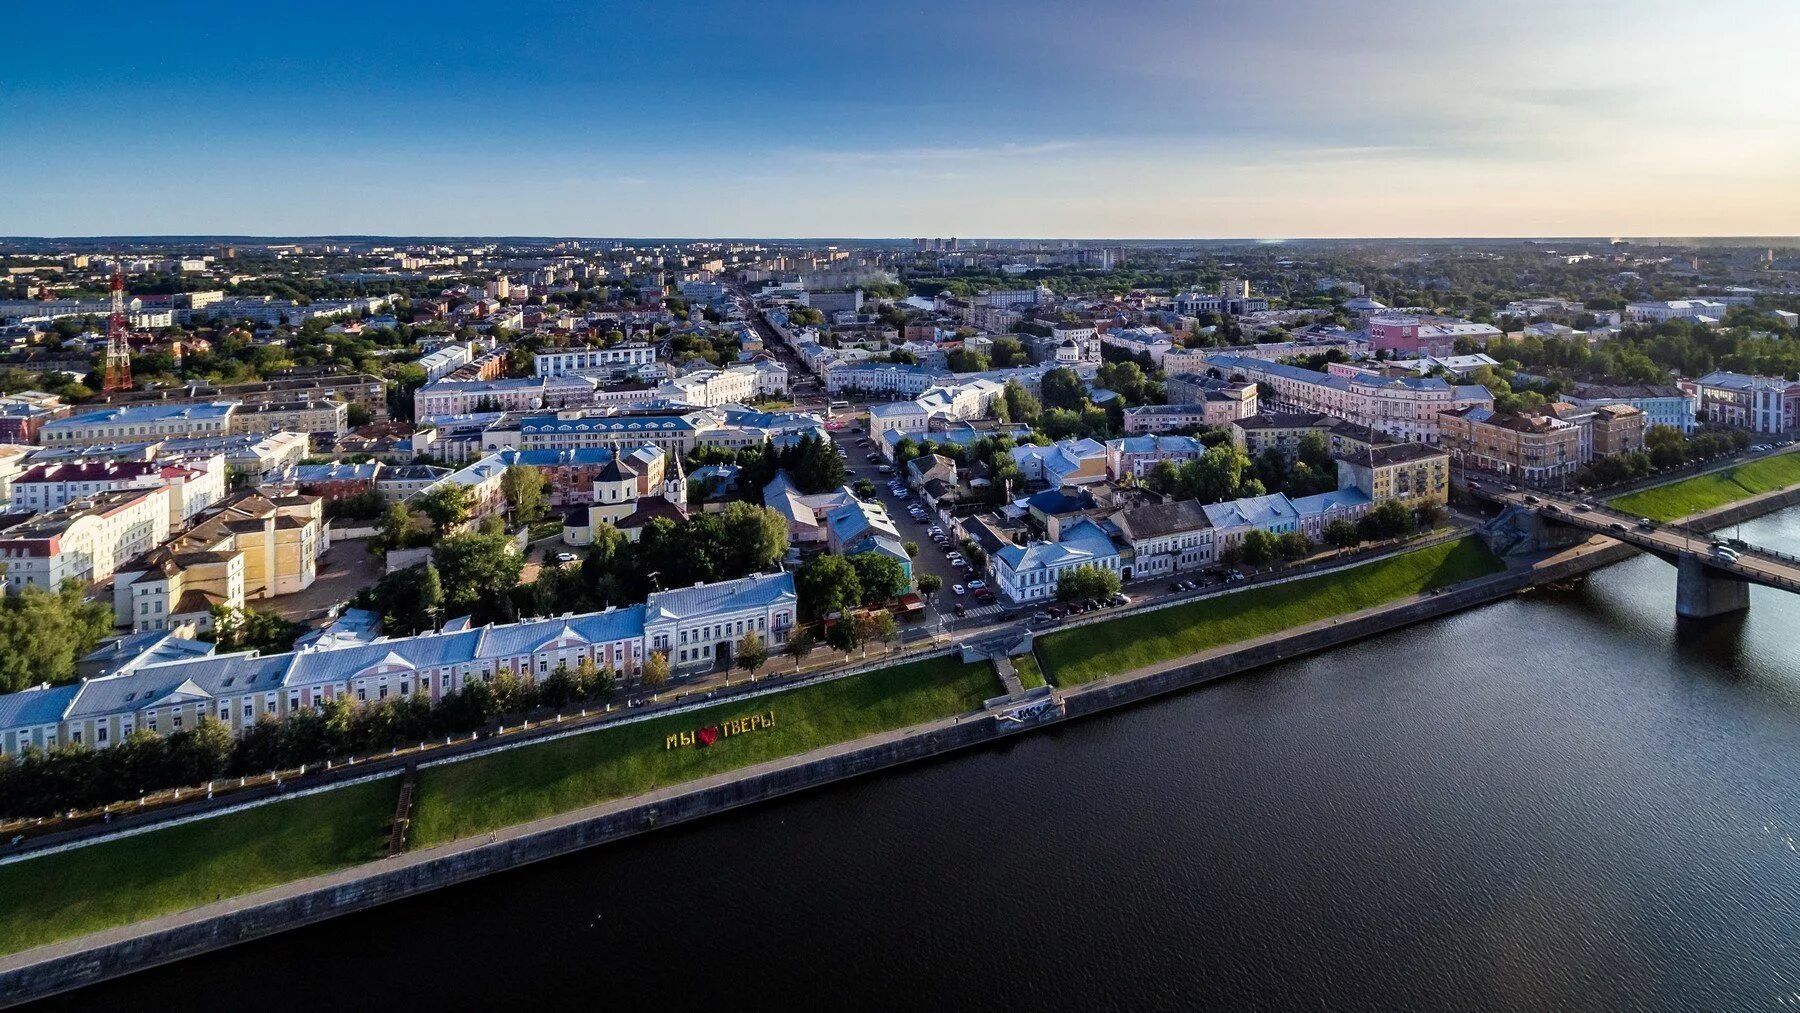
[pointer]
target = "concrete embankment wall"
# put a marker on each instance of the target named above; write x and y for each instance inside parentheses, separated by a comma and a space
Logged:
(75, 963)
(1735, 513)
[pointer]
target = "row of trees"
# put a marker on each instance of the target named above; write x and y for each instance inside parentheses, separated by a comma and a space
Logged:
(1664, 447)
(1087, 581)
(1386, 520)
(75, 776)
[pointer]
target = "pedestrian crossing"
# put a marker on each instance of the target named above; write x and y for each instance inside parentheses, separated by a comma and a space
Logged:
(977, 611)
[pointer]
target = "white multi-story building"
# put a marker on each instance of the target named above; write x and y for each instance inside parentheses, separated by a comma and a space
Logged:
(695, 627)
(462, 397)
(86, 540)
(1675, 309)
(709, 387)
(140, 423)
(1151, 341)
(1761, 404)
(1405, 408)
(621, 359)
(890, 378)
(1029, 573)
(1165, 538)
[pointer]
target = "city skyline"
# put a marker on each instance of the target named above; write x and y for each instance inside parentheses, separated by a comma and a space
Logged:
(1297, 120)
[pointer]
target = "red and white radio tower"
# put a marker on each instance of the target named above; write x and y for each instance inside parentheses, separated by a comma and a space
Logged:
(116, 373)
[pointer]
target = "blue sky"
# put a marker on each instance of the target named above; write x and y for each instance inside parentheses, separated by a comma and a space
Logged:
(1129, 118)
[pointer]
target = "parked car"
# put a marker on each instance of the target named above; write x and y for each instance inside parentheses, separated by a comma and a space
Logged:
(985, 596)
(565, 557)
(1119, 600)
(886, 469)
(976, 585)
(958, 590)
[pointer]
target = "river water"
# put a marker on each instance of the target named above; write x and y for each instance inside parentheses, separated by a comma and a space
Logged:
(1564, 800)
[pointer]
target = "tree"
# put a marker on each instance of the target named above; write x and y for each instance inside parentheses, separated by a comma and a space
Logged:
(1087, 581)
(815, 465)
(964, 360)
(1431, 516)
(1388, 519)
(930, 583)
(1315, 453)
(1294, 545)
(656, 669)
(431, 593)
(1007, 352)
(880, 576)
(396, 527)
(799, 645)
(752, 653)
(1342, 533)
(1217, 476)
(877, 624)
(1259, 547)
(478, 571)
(1666, 445)
(447, 505)
(755, 538)
(912, 549)
(1062, 388)
(42, 633)
(1021, 404)
(524, 488)
(826, 585)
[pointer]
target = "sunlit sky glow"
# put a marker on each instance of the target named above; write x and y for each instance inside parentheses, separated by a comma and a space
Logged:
(1131, 118)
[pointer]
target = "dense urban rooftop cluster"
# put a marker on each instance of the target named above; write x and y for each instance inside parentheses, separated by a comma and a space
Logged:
(759, 424)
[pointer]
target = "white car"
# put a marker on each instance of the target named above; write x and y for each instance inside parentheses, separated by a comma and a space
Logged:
(976, 585)
(957, 589)
(565, 557)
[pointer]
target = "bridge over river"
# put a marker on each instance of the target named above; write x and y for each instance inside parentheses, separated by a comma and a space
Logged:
(1713, 574)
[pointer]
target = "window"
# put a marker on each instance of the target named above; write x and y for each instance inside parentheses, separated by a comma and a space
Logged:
(100, 735)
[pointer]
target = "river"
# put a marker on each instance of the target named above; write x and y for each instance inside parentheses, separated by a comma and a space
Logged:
(1561, 800)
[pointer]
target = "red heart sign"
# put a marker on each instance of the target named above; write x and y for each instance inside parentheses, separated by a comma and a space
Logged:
(708, 735)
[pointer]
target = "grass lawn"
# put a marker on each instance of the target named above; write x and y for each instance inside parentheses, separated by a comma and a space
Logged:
(1131, 642)
(1704, 492)
(1030, 675)
(532, 782)
(105, 885)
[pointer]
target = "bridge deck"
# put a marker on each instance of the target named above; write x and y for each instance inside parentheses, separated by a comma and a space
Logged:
(1669, 541)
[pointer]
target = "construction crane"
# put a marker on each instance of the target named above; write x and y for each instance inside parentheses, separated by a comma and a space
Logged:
(115, 374)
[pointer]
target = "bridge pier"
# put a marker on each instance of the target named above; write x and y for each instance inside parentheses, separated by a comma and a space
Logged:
(1702, 591)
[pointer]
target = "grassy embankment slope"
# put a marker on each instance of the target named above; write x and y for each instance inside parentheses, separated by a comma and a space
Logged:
(1134, 641)
(536, 781)
(1705, 492)
(134, 878)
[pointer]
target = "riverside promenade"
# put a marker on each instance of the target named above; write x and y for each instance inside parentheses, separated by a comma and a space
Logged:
(73, 963)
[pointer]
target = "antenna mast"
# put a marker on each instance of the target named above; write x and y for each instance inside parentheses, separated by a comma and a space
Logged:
(116, 372)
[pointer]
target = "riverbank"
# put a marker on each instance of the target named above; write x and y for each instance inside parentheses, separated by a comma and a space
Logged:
(79, 961)
(1713, 490)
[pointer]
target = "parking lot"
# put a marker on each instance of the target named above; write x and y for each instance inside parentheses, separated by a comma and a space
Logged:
(932, 558)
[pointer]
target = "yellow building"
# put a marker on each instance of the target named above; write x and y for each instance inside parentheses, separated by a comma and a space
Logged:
(1413, 473)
